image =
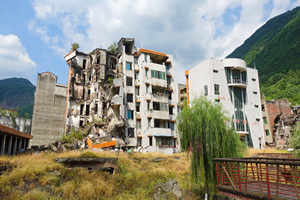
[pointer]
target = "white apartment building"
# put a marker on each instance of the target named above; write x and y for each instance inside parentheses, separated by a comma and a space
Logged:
(129, 95)
(236, 86)
(150, 103)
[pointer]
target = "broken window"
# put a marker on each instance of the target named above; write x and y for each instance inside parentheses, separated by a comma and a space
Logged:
(129, 97)
(96, 108)
(128, 81)
(205, 90)
(81, 109)
(137, 91)
(137, 106)
(131, 132)
(149, 122)
(217, 89)
(130, 114)
(150, 141)
(84, 63)
(128, 66)
(87, 109)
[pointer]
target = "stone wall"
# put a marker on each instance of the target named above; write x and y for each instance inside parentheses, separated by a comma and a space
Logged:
(48, 121)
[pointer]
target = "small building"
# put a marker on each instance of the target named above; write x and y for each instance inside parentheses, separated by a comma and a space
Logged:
(234, 85)
(48, 120)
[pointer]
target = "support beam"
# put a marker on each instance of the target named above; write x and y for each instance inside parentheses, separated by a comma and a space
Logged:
(2, 145)
(15, 146)
(9, 145)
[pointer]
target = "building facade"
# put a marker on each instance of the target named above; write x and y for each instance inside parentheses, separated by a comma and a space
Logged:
(182, 96)
(234, 85)
(48, 120)
(128, 95)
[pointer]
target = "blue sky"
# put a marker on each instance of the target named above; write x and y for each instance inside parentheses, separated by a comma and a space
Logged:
(36, 34)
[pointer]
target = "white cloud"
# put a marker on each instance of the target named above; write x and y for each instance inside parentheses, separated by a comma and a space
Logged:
(15, 61)
(190, 30)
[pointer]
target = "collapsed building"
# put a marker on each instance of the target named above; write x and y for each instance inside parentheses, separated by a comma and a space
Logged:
(126, 96)
(11, 119)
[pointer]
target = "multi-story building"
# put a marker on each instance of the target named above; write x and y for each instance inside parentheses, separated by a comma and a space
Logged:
(128, 95)
(234, 85)
(182, 96)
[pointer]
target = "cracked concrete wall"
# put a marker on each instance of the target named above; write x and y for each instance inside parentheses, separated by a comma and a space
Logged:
(49, 110)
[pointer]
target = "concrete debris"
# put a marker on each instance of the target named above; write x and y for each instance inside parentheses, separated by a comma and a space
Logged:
(96, 95)
(168, 190)
(102, 164)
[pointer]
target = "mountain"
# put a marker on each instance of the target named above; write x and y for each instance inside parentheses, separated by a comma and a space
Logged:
(274, 49)
(17, 93)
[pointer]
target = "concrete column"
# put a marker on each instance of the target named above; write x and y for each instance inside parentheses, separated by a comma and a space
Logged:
(15, 142)
(2, 145)
(19, 144)
(24, 143)
(9, 145)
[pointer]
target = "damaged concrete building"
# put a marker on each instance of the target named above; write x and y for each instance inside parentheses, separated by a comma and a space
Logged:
(127, 95)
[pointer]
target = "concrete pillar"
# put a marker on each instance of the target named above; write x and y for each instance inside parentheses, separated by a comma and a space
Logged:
(24, 143)
(19, 144)
(9, 145)
(15, 142)
(2, 145)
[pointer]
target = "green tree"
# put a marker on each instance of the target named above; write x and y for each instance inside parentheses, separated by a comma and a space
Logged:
(74, 46)
(295, 139)
(112, 48)
(205, 129)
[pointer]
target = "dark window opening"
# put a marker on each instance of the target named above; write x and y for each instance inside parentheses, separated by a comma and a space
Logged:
(96, 108)
(150, 141)
(84, 64)
(170, 95)
(254, 92)
(253, 79)
(256, 106)
(217, 100)
(257, 119)
(128, 81)
(215, 71)
(131, 132)
(87, 109)
(205, 90)
(81, 109)
(129, 98)
(267, 132)
(137, 107)
(171, 110)
(81, 123)
(139, 141)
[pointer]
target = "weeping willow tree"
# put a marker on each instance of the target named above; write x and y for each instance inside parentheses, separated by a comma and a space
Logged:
(204, 129)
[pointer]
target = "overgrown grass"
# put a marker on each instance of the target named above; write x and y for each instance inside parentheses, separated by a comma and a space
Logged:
(33, 177)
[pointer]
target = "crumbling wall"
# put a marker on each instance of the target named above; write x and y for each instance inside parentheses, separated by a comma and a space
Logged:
(48, 121)
(95, 104)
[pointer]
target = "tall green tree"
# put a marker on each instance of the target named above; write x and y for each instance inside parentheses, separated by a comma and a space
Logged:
(74, 46)
(206, 130)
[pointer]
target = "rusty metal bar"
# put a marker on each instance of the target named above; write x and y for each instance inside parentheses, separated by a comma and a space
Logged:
(268, 182)
(258, 176)
(246, 177)
(239, 177)
(229, 178)
(277, 182)
(294, 181)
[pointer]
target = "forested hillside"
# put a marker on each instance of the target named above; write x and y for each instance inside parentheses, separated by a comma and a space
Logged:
(17, 94)
(274, 49)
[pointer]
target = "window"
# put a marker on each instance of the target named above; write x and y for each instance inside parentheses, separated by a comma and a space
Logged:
(96, 108)
(256, 106)
(146, 72)
(129, 97)
(267, 132)
(158, 74)
(150, 141)
(168, 80)
(137, 91)
(128, 81)
(170, 95)
(84, 63)
(131, 132)
(147, 88)
(182, 99)
(171, 126)
(130, 114)
(217, 89)
(148, 105)
(135, 60)
(138, 124)
(205, 90)
(87, 110)
(139, 141)
(253, 79)
(257, 119)
(128, 66)
(145, 57)
(137, 106)
(217, 100)
(160, 106)
(254, 92)
(265, 120)
(167, 66)
(215, 71)
(136, 76)
(149, 122)
(171, 110)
